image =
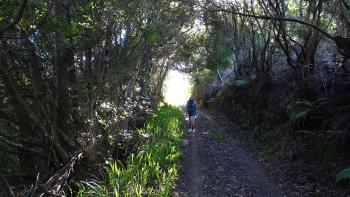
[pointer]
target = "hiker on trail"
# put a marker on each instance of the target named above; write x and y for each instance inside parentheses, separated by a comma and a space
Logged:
(191, 111)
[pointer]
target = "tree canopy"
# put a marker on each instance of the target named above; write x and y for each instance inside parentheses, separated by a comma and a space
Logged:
(75, 74)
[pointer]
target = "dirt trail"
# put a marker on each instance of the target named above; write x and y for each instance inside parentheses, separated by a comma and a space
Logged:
(216, 165)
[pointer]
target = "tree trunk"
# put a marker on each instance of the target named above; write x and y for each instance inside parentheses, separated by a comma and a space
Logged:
(65, 61)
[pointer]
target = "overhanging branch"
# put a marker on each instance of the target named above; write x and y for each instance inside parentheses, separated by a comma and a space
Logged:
(264, 17)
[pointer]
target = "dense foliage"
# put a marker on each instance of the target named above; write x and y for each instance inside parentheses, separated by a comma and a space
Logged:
(78, 77)
(74, 75)
(281, 70)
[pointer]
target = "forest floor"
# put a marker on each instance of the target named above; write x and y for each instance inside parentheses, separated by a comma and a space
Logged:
(215, 163)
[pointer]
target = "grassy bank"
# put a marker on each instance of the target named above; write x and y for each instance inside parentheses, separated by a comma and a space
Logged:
(153, 169)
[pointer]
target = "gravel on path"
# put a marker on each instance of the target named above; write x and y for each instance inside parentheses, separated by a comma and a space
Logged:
(214, 164)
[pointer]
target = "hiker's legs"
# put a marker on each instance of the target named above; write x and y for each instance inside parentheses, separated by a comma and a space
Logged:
(190, 121)
(189, 112)
(191, 118)
(193, 121)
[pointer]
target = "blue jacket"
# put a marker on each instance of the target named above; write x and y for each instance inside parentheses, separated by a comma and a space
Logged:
(191, 106)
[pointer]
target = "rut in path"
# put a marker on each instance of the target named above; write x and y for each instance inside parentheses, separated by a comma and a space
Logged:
(215, 165)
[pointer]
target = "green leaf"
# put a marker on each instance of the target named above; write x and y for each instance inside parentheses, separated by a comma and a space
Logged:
(153, 37)
(344, 174)
(69, 31)
(53, 24)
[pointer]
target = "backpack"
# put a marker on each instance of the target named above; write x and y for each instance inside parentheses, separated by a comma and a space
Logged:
(191, 105)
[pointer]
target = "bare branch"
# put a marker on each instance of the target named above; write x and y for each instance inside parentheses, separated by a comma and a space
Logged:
(264, 17)
(346, 5)
(274, 18)
(6, 186)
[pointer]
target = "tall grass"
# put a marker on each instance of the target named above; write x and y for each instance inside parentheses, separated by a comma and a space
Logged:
(151, 171)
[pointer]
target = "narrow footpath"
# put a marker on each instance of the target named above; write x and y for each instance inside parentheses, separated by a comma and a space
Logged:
(215, 164)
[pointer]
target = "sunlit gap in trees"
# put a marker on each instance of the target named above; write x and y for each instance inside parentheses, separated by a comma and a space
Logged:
(177, 88)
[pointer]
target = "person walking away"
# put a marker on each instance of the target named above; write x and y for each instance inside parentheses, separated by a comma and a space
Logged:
(191, 111)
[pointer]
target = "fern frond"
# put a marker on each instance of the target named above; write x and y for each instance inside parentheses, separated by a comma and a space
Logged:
(304, 103)
(343, 174)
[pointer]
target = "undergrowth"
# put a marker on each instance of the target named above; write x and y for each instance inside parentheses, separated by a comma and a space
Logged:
(151, 171)
(299, 110)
